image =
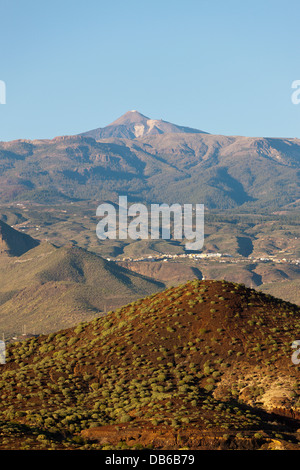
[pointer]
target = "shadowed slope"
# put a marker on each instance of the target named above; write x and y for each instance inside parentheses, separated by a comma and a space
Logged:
(14, 243)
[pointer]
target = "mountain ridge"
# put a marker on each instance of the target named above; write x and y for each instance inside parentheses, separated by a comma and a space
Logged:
(134, 125)
(222, 172)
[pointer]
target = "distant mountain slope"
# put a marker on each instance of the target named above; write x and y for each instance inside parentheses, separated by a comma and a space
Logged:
(14, 243)
(134, 125)
(49, 288)
(222, 172)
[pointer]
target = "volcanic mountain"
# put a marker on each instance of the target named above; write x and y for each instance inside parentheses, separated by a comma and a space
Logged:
(153, 161)
(204, 365)
(134, 125)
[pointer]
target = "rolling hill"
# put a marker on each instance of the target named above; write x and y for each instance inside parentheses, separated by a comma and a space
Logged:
(50, 287)
(205, 365)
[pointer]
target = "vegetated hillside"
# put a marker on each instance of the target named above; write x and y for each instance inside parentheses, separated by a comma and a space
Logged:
(229, 171)
(51, 287)
(285, 289)
(219, 171)
(205, 365)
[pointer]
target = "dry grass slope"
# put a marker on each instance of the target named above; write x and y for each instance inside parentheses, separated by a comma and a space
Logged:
(49, 288)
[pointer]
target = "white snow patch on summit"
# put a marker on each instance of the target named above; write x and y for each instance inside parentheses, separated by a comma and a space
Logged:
(151, 123)
(139, 130)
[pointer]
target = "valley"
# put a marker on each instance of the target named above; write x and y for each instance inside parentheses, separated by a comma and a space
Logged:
(140, 344)
(261, 251)
(149, 231)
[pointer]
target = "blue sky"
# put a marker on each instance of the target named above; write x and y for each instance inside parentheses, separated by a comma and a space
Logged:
(225, 67)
